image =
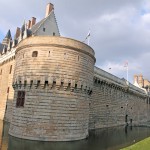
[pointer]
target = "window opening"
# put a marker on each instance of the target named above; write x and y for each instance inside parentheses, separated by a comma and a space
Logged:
(35, 54)
(75, 86)
(20, 99)
(10, 69)
(46, 84)
(31, 83)
(8, 90)
(38, 83)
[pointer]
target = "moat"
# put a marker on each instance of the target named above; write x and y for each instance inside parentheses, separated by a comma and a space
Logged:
(102, 139)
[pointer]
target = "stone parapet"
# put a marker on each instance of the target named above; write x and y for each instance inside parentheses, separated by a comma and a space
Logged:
(115, 102)
(101, 75)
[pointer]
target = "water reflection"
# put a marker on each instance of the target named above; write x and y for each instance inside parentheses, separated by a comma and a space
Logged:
(103, 139)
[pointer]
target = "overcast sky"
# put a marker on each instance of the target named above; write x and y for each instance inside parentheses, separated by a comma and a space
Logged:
(120, 29)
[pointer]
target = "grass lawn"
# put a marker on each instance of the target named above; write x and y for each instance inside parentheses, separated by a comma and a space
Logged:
(142, 145)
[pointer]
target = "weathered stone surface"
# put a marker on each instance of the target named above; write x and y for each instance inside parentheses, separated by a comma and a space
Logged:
(6, 89)
(65, 95)
(58, 110)
(113, 99)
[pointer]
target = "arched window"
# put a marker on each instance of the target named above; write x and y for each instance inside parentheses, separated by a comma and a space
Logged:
(35, 54)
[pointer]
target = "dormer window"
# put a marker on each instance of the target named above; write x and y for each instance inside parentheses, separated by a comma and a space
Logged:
(44, 29)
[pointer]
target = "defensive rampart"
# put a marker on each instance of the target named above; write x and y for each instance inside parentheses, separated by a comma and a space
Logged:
(59, 95)
(53, 79)
(116, 102)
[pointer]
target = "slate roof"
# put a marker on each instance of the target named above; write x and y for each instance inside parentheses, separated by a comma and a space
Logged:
(37, 25)
(8, 35)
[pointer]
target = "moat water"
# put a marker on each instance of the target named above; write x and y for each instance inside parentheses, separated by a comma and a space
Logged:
(103, 139)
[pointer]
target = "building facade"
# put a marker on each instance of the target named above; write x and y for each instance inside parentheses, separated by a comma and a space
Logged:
(142, 82)
(50, 89)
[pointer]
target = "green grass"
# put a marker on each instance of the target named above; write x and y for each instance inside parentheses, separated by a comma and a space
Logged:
(142, 145)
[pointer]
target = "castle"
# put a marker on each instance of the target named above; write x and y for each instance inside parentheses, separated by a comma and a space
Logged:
(142, 83)
(50, 89)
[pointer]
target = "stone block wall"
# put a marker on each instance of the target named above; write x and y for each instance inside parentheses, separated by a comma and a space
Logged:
(50, 115)
(114, 102)
(57, 76)
(6, 90)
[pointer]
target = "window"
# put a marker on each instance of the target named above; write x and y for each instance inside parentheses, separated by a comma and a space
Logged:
(20, 99)
(38, 83)
(10, 69)
(75, 86)
(44, 29)
(31, 83)
(46, 84)
(8, 90)
(35, 54)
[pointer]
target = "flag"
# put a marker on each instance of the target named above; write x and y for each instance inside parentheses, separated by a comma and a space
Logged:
(88, 35)
(88, 38)
(126, 64)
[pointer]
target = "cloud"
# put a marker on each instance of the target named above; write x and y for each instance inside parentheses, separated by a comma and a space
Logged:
(120, 29)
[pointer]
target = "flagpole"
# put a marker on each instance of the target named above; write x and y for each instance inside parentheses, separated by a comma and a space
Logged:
(127, 73)
(88, 40)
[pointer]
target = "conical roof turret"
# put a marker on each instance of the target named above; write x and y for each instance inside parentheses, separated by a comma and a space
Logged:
(7, 38)
(8, 35)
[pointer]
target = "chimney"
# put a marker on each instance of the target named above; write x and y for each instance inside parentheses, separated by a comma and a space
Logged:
(17, 32)
(29, 24)
(135, 78)
(141, 83)
(49, 8)
(33, 21)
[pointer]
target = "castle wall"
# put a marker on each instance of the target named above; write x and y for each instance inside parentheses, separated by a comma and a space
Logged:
(114, 102)
(6, 90)
(57, 85)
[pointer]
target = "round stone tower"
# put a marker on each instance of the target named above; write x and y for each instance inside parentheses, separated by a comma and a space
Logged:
(53, 81)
